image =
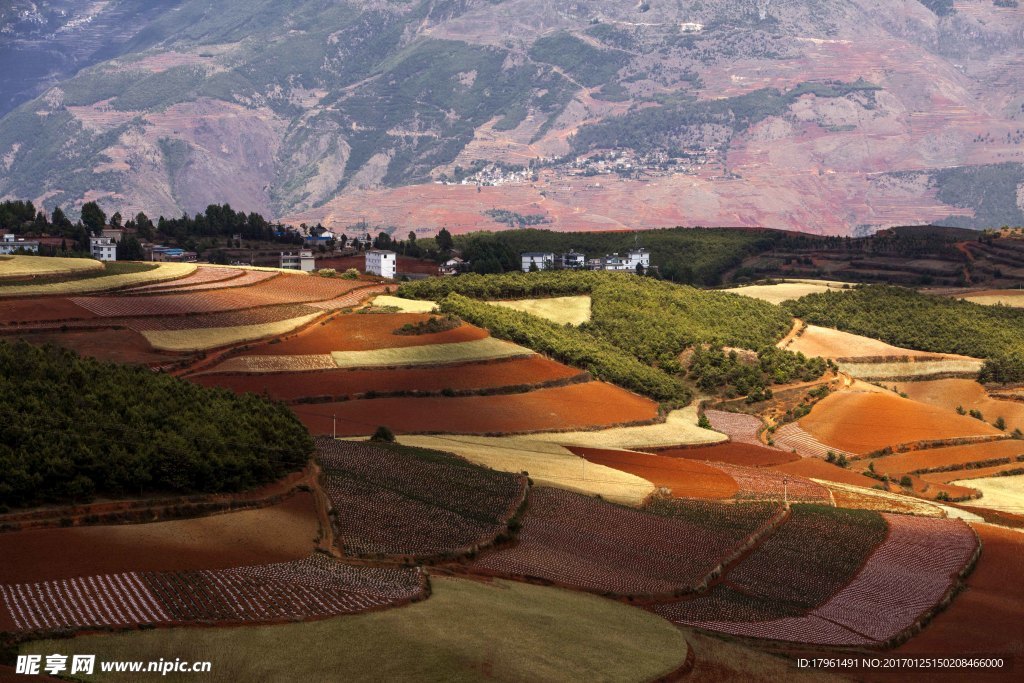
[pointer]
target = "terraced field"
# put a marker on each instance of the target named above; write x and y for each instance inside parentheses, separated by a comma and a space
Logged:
(17, 267)
(573, 540)
(908, 575)
(391, 500)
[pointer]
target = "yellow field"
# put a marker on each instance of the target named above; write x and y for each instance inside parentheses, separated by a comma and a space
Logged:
(998, 493)
(213, 337)
(784, 291)
(264, 269)
(546, 461)
(322, 361)
(679, 429)
(1006, 297)
(465, 631)
(431, 354)
(405, 305)
(33, 266)
(922, 369)
(162, 272)
(571, 310)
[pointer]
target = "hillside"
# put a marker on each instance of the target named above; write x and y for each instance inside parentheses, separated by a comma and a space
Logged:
(829, 117)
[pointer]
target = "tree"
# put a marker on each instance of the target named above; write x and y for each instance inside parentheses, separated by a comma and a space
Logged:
(444, 240)
(1000, 423)
(144, 226)
(115, 220)
(129, 249)
(93, 218)
(60, 221)
(533, 267)
(383, 434)
(639, 269)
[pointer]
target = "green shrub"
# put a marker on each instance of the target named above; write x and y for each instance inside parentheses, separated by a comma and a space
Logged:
(383, 434)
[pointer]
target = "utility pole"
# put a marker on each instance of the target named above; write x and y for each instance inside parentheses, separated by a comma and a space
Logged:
(785, 490)
(334, 426)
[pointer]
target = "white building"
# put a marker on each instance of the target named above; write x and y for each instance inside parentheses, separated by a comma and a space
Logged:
(574, 260)
(540, 260)
(382, 263)
(636, 257)
(103, 248)
(11, 243)
(298, 260)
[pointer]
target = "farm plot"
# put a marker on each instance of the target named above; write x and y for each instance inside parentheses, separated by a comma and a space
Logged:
(811, 557)
(486, 348)
(350, 298)
(317, 586)
(115, 345)
(284, 289)
(813, 468)
(161, 273)
(733, 453)
(861, 498)
(405, 305)
(684, 478)
(679, 427)
(39, 266)
(365, 332)
(256, 316)
(202, 339)
(22, 311)
(586, 543)
(784, 291)
(202, 275)
(952, 459)
(340, 384)
(860, 422)
(992, 297)
(912, 368)
(545, 461)
(395, 500)
(738, 427)
(536, 411)
(278, 533)
(269, 364)
(792, 437)
(968, 395)
(766, 484)
(237, 279)
(835, 344)
(564, 310)
(998, 493)
(907, 576)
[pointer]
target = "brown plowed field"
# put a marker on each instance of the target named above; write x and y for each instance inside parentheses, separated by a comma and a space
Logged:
(41, 310)
(275, 534)
(364, 332)
(120, 346)
(579, 406)
(950, 393)
(973, 473)
(864, 422)
(951, 455)
(686, 479)
(288, 386)
(984, 620)
(745, 454)
(405, 264)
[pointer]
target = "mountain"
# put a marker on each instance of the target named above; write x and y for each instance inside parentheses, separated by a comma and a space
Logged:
(832, 116)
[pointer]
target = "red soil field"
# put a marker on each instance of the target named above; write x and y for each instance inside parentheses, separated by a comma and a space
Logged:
(950, 393)
(364, 332)
(121, 346)
(686, 479)
(812, 468)
(984, 620)
(747, 455)
(594, 404)
(40, 309)
(288, 386)
(274, 534)
(951, 455)
(862, 422)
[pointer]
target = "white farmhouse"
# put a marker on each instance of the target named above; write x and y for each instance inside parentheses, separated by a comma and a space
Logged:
(382, 263)
(103, 248)
(539, 260)
(628, 263)
(12, 243)
(298, 260)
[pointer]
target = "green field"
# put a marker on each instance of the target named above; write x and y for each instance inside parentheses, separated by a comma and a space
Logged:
(466, 631)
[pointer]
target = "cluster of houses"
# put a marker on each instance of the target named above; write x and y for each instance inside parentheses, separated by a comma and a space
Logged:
(101, 248)
(634, 261)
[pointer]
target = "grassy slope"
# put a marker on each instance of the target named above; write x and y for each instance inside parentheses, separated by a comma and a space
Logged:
(465, 631)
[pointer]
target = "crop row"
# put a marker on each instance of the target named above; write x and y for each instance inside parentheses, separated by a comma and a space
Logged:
(200, 276)
(573, 540)
(257, 316)
(317, 586)
(792, 437)
(392, 500)
(737, 426)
